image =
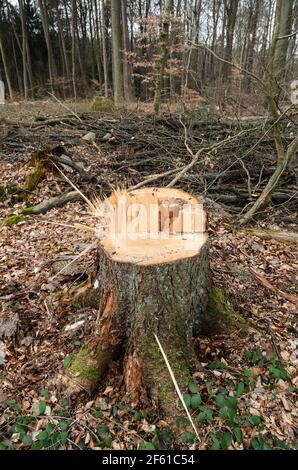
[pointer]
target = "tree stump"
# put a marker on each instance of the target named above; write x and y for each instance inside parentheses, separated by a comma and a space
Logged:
(153, 278)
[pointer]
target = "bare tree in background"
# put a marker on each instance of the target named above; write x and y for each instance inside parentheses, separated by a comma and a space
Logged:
(45, 24)
(6, 69)
(117, 47)
(276, 71)
(24, 47)
(104, 47)
(231, 7)
(127, 75)
(74, 45)
(164, 42)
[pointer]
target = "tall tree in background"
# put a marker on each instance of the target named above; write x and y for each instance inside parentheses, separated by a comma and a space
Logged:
(164, 42)
(276, 59)
(104, 47)
(117, 56)
(127, 75)
(6, 69)
(45, 24)
(251, 40)
(284, 29)
(231, 7)
(74, 46)
(24, 47)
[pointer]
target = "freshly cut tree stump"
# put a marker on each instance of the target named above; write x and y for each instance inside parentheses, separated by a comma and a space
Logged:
(153, 278)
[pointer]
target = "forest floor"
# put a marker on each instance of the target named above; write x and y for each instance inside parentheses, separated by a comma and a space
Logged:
(244, 389)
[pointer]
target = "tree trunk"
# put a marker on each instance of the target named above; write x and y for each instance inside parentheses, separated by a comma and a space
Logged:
(284, 155)
(164, 42)
(45, 25)
(157, 285)
(24, 51)
(74, 45)
(62, 39)
(231, 7)
(117, 47)
(127, 75)
(6, 70)
(251, 41)
(104, 48)
(284, 28)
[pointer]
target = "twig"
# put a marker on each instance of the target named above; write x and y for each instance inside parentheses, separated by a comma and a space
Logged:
(209, 149)
(230, 63)
(89, 247)
(74, 186)
(287, 35)
(65, 107)
(249, 151)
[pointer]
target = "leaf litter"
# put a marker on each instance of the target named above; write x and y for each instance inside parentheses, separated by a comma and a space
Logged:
(256, 365)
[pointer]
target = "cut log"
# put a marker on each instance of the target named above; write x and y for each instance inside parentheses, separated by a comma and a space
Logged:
(153, 278)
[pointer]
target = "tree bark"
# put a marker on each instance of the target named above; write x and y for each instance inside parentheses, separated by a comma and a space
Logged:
(24, 49)
(164, 41)
(127, 75)
(6, 70)
(231, 7)
(104, 48)
(74, 45)
(117, 47)
(45, 25)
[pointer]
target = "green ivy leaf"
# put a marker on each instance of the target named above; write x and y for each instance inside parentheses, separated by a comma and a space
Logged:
(195, 402)
(201, 416)
(254, 420)
(63, 437)
(238, 435)
(220, 400)
(27, 440)
(217, 365)
(63, 425)
(42, 436)
(187, 438)
(137, 416)
(227, 414)
(103, 431)
(231, 402)
(247, 355)
(187, 399)
(38, 445)
(209, 414)
(226, 440)
(216, 443)
(146, 446)
(67, 360)
(278, 373)
(240, 388)
(193, 388)
(42, 407)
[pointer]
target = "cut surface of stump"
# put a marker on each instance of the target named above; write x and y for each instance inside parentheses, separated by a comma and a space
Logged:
(152, 278)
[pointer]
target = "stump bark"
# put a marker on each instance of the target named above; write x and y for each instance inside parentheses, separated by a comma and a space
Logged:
(152, 280)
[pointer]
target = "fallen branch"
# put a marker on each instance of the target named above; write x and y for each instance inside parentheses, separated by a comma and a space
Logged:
(56, 201)
(279, 235)
(264, 281)
(64, 160)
